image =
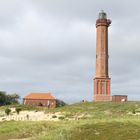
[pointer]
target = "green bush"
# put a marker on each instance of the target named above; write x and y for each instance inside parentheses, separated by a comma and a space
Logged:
(54, 116)
(61, 118)
(18, 110)
(60, 103)
(133, 111)
(7, 111)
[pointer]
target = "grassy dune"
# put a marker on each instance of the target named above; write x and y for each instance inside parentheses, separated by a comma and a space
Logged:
(81, 121)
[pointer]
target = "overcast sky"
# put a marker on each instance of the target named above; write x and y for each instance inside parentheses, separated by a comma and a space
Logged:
(49, 46)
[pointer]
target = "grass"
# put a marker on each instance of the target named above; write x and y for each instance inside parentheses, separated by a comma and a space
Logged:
(107, 131)
(99, 121)
(22, 107)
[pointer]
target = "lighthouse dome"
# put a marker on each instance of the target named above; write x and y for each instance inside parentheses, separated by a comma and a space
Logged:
(102, 15)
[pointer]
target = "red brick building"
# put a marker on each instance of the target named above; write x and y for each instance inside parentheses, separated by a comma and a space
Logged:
(40, 99)
(119, 98)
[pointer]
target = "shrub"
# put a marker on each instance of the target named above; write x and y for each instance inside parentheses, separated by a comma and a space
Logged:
(133, 111)
(54, 116)
(7, 111)
(60, 103)
(18, 110)
(61, 117)
(3, 98)
(6, 99)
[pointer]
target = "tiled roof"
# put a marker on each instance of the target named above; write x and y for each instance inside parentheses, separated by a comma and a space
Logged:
(39, 96)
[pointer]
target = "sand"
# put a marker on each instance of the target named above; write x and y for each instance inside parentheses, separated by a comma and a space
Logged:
(30, 116)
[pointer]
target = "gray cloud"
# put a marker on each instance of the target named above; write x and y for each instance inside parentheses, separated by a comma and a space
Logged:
(49, 45)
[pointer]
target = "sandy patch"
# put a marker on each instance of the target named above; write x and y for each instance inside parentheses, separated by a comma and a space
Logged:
(30, 116)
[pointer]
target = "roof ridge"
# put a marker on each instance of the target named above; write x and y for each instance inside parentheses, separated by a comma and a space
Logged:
(39, 96)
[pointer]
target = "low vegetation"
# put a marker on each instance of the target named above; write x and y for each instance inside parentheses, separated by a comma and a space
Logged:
(18, 110)
(81, 121)
(22, 107)
(7, 111)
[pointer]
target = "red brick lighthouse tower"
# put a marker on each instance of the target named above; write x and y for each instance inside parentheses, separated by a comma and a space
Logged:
(102, 80)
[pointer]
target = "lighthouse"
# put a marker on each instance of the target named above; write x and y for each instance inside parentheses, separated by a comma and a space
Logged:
(102, 79)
